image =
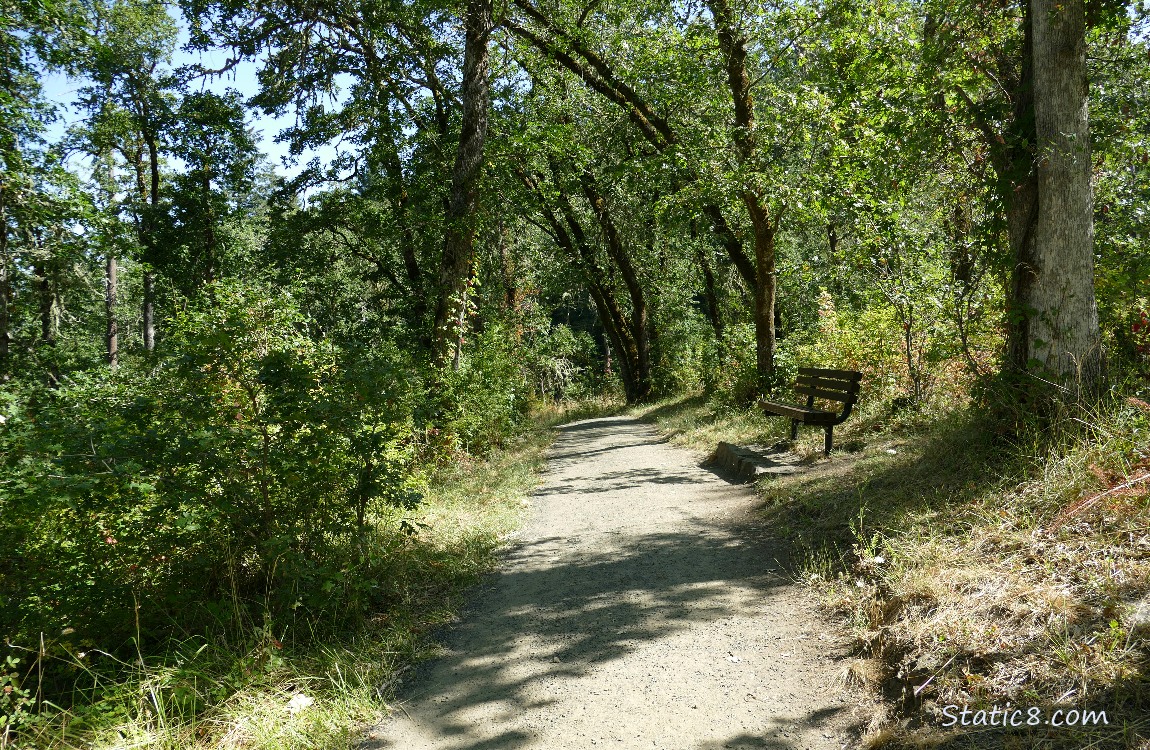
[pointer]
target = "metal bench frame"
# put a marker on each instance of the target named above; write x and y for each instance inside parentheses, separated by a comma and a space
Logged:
(814, 382)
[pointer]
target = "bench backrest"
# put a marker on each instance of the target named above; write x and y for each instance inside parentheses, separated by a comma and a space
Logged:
(832, 385)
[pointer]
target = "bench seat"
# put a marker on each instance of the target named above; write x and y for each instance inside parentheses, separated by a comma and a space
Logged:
(802, 413)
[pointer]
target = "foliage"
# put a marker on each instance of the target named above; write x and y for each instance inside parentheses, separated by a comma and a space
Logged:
(238, 475)
(251, 468)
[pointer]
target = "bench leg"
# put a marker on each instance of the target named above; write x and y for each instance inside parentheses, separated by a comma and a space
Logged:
(828, 441)
(794, 429)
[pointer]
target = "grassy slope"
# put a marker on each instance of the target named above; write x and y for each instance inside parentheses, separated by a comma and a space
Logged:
(949, 555)
(267, 694)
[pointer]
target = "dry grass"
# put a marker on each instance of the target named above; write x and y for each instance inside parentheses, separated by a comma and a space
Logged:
(975, 571)
(698, 424)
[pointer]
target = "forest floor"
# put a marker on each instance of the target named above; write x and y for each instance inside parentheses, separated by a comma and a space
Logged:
(971, 567)
(643, 605)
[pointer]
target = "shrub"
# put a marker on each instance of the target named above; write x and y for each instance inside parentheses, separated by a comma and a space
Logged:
(232, 482)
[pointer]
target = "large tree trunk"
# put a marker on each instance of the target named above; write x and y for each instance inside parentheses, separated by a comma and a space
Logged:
(1012, 155)
(733, 45)
(459, 235)
(1063, 333)
(764, 293)
(1013, 159)
(1021, 209)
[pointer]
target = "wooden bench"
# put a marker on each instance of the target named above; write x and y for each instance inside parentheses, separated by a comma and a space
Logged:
(816, 383)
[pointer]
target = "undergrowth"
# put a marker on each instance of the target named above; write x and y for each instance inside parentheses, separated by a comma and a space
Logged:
(972, 566)
(312, 687)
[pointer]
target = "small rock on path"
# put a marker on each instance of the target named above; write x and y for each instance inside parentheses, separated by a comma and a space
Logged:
(641, 607)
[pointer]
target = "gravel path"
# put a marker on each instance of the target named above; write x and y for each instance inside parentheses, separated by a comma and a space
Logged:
(641, 607)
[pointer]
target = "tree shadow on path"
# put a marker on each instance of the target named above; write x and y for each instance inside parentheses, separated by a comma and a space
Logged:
(571, 601)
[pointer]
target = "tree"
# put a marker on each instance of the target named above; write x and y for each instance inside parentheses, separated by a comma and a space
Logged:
(1020, 76)
(209, 136)
(24, 28)
(765, 221)
(457, 266)
(1062, 333)
(123, 54)
(571, 46)
(395, 58)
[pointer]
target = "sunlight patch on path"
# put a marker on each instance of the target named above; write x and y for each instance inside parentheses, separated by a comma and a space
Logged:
(641, 607)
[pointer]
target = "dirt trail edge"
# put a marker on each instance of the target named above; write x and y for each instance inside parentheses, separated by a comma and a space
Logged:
(641, 607)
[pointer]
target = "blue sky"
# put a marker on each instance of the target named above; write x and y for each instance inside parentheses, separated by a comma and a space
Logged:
(61, 90)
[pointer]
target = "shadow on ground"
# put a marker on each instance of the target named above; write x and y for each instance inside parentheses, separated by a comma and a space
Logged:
(581, 609)
(593, 610)
(888, 484)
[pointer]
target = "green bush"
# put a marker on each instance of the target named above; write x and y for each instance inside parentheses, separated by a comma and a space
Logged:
(232, 482)
(560, 363)
(483, 400)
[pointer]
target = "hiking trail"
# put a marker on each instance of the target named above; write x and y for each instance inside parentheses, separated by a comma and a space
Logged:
(642, 605)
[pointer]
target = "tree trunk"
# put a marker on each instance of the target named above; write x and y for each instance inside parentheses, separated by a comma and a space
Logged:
(1021, 209)
(598, 75)
(610, 318)
(726, 236)
(48, 307)
(459, 235)
(150, 196)
(400, 204)
(571, 53)
(461, 320)
(44, 284)
(711, 299)
(610, 313)
(570, 237)
(5, 293)
(764, 295)
(209, 230)
(400, 201)
(149, 322)
(1063, 333)
(508, 270)
(640, 325)
(733, 45)
(606, 307)
(1013, 160)
(112, 338)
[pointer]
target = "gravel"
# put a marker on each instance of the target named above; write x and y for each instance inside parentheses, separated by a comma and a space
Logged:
(642, 606)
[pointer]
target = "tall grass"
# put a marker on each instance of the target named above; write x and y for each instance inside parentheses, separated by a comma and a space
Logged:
(973, 565)
(313, 686)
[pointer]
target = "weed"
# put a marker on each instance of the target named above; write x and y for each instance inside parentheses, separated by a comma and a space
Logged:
(974, 567)
(313, 687)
